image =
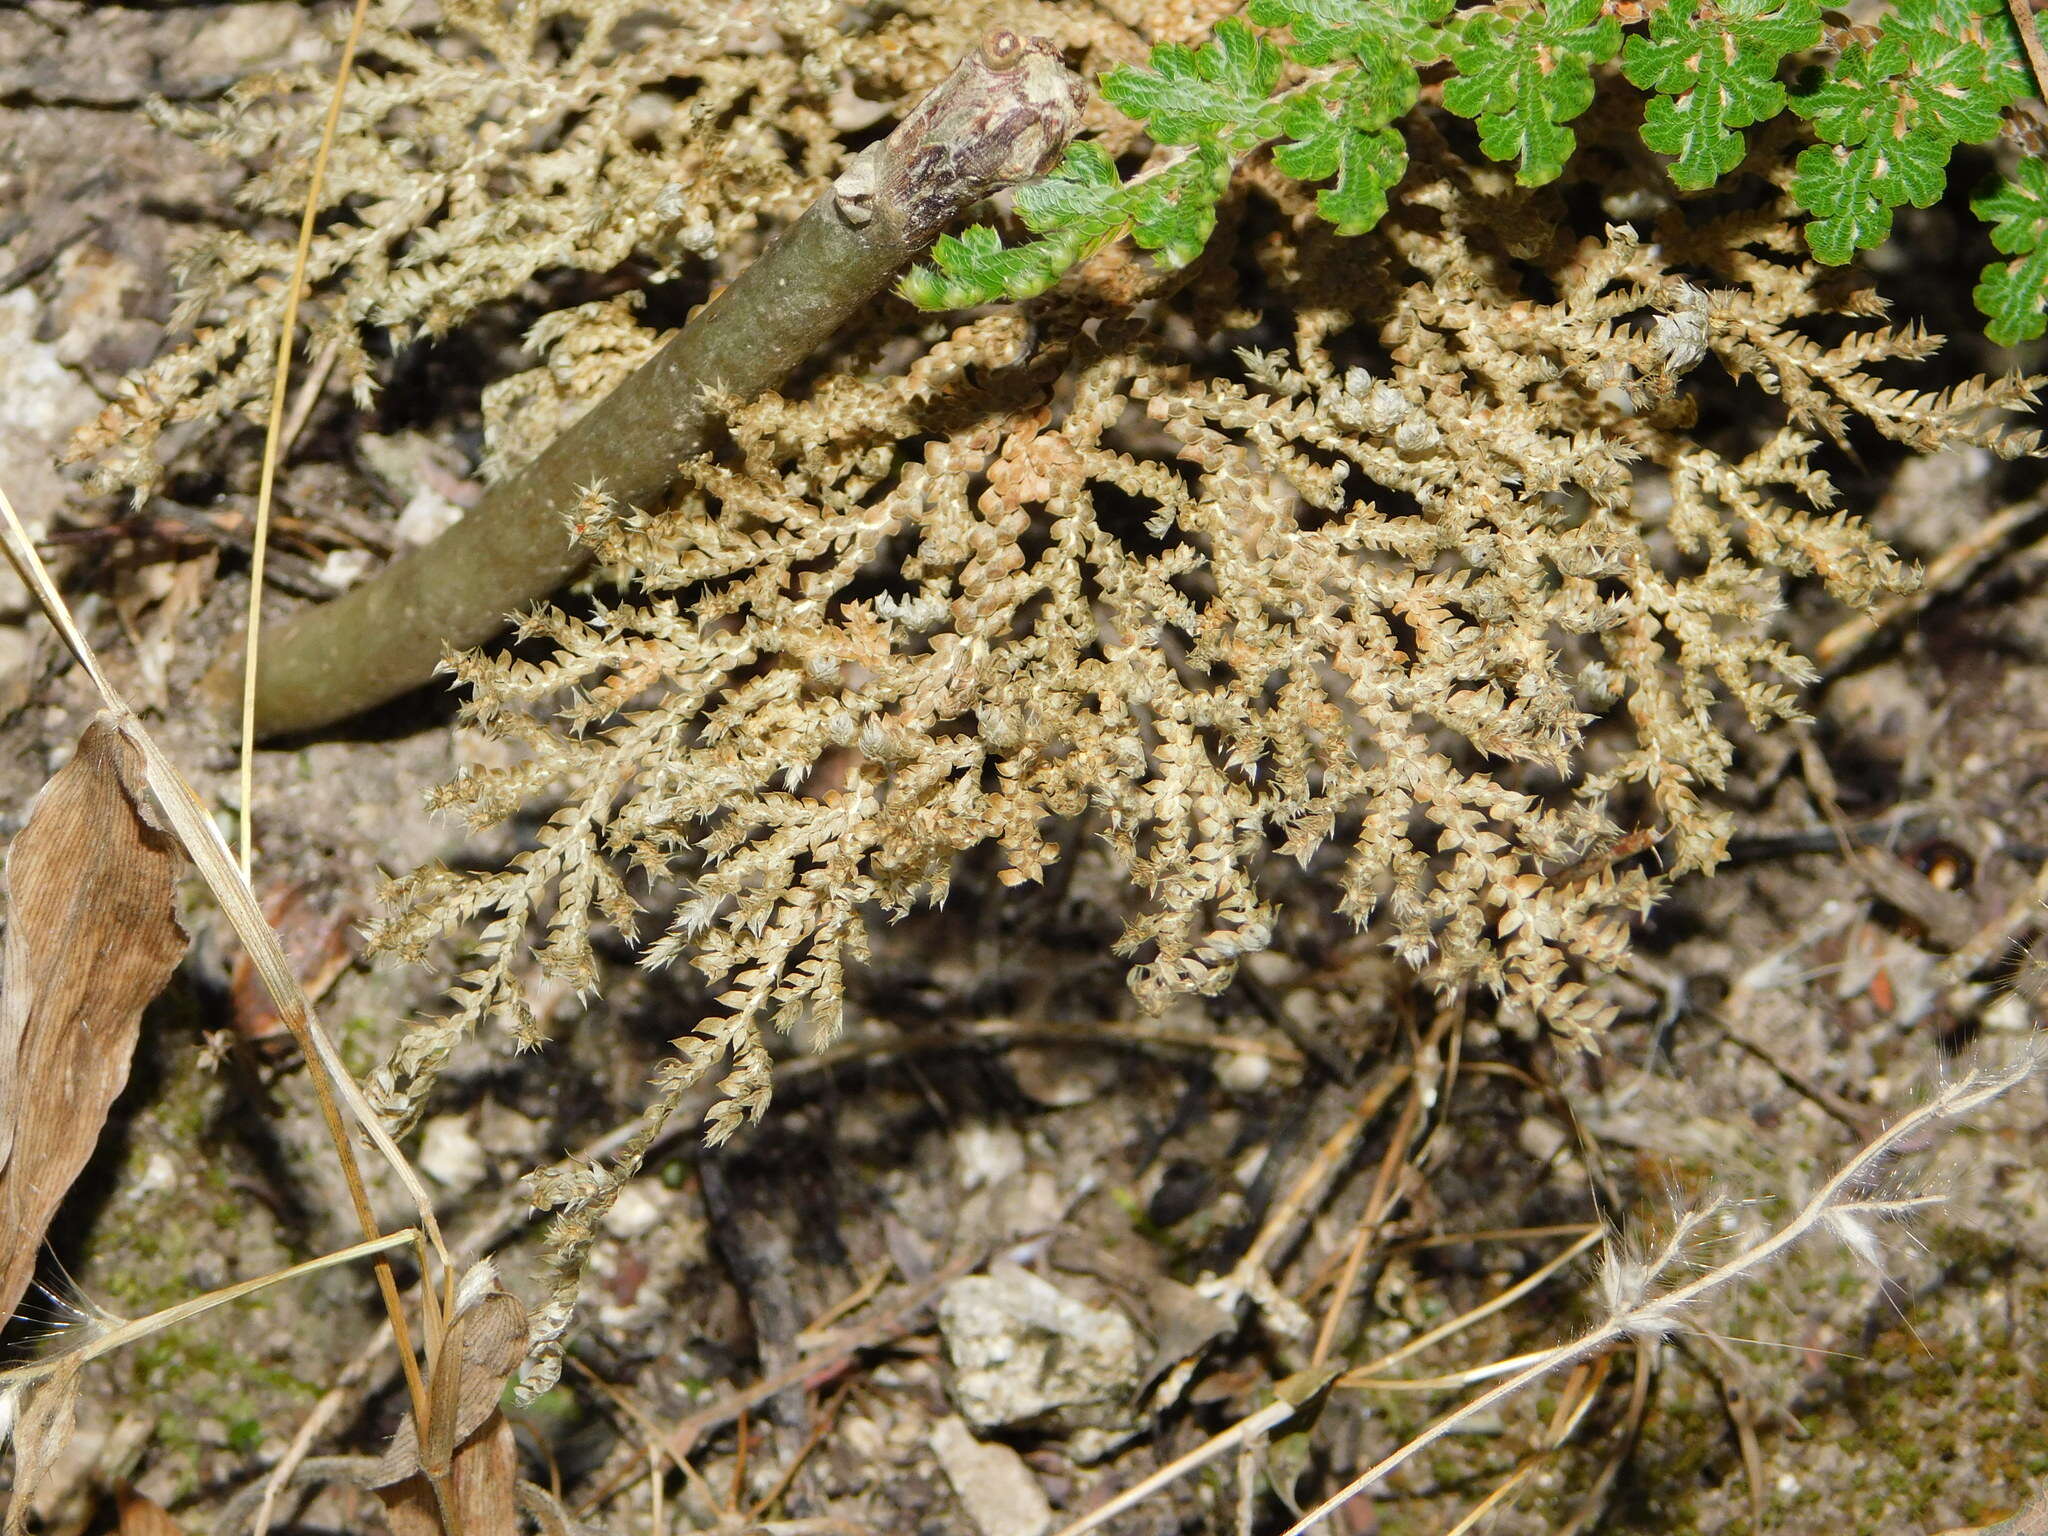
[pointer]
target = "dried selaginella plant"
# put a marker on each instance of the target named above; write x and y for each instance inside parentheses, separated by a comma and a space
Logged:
(1444, 598)
(1002, 116)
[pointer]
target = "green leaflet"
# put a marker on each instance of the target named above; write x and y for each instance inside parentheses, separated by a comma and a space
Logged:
(1081, 191)
(974, 267)
(2012, 293)
(1173, 213)
(1714, 68)
(1340, 131)
(1220, 93)
(1524, 71)
(1890, 112)
(1340, 126)
(1078, 209)
(1851, 190)
(1219, 102)
(1381, 34)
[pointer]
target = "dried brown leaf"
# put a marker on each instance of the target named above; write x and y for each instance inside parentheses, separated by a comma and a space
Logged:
(484, 1475)
(145, 1517)
(92, 936)
(188, 817)
(469, 1445)
(316, 944)
(486, 1342)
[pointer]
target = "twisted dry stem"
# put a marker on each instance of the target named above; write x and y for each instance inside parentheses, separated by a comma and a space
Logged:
(1003, 116)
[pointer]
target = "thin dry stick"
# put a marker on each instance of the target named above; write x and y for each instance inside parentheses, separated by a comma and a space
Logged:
(832, 1349)
(1369, 1375)
(273, 437)
(657, 1442)
(1572, 1406)
(1657, 1313)
(309, 393)
(1423, 1090)
(828, 1420)
(1448, 1381)
(1495, 1235)
(1857, 1120)
(1297, 1390)
(739, 1459)
(1994, 938)
(1319, 1170)
(1623, 1445)
(1742, 1415)
(853, 1301)
(1246, 1432)
(323, 1413)
(1377, 1204)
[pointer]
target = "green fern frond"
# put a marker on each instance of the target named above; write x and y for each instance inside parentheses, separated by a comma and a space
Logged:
(1221, 93)
(1383, 35)
(1327, 85)
(1341, 130)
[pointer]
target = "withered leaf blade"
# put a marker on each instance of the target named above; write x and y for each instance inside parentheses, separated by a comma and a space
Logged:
(42, 1430)
(92, 936)
(144, 1517)
(491, 1343)
(484, 1475)
(486, 1343)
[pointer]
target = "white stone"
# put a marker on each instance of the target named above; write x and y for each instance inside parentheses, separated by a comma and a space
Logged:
(449, 1155)
(1025, 1352)
(41, 403)
(993, 1483)
(986, 1153)
(1244, 1071)
(634, 1214)
(343, 568)
(426, 517)
(248, 37)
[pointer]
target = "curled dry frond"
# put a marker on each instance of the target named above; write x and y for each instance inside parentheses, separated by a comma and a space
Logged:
(1358, 602)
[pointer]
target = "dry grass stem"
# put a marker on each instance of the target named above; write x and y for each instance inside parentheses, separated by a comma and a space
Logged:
(1643, 1312)
(1982, 542)
(275, 436)
(104, 1341)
